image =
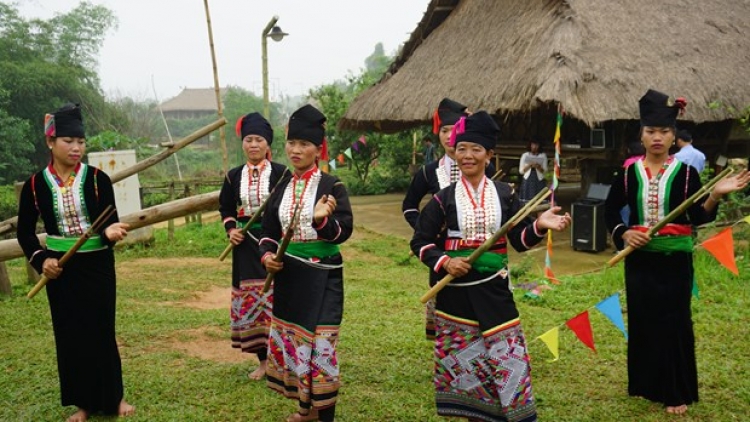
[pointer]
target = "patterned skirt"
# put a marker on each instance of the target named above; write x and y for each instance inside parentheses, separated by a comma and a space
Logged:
(250, 312)
(482, 367)
(251, 317)
(302, 359)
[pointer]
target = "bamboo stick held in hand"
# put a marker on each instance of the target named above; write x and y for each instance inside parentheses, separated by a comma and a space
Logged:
(256, 216)
(674, 214)
(284, 244)
(520, 215)
(69, 254)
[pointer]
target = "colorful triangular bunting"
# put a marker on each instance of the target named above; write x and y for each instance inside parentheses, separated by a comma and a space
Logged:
(721, 247)
(581, 326)
(552, 339)
(610, 307)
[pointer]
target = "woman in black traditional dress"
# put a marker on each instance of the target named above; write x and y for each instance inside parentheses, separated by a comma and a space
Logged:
(245, 188)
(482, 369)
(309, 283)
(69, 195)
(659, 273)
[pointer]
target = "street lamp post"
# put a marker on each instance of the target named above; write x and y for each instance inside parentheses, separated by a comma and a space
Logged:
(276, 34)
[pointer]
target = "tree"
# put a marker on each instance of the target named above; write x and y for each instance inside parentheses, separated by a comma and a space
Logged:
(44, 64)
(377, 149)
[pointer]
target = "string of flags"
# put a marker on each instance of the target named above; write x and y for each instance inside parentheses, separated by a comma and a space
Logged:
(341, 158)
(720, 246)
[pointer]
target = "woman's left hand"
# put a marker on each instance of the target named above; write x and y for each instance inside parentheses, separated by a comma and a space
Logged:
(116, 231)
(550, 219)
(324, 208)
(731, 184)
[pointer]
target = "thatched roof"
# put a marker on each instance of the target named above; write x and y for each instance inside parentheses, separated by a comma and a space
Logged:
(193, 99)
(595, 57)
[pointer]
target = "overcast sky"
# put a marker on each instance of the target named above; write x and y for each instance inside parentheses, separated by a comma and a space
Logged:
(168, 40)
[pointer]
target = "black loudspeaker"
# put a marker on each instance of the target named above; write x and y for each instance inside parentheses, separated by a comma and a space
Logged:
(588, 231)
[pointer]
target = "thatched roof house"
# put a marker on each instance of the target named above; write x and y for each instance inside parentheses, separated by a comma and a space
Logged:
(192, 103)
(595, 58)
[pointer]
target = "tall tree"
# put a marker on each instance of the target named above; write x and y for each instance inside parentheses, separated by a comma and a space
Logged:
(46, 63)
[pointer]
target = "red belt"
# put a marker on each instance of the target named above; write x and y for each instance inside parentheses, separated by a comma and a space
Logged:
(669, 230)
(500, 246)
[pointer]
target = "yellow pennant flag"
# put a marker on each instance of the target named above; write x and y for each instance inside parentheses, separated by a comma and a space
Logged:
(552, 339)
(746, 219)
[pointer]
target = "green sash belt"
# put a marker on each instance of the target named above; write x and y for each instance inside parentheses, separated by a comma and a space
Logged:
(488, 262)
(63, 244)
(667, 244)
(317, 249)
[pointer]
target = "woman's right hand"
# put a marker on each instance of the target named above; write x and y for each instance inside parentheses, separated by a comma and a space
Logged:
(635, 238)
(236, 237)
(51, 269)
(273, 266)
(457, 267)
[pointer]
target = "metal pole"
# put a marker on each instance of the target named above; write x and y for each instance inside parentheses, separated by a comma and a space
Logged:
(264, 59)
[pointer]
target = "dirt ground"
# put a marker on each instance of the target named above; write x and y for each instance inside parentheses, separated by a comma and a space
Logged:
(381, 214)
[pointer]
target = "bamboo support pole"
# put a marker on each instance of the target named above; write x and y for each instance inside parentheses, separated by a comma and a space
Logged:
(217, 90)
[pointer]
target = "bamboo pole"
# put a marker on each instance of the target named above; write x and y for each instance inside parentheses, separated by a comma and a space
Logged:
(520, 215)
(256, 216)
(217, 91)
(705, 189)
(95, 226)
(9, 249)
(284, 244)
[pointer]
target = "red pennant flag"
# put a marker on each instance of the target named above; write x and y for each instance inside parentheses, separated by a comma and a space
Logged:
(721, 247)
(340, 158)
(581, 326)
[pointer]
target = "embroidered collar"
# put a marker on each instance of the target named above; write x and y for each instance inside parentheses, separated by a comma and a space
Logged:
(308, 174)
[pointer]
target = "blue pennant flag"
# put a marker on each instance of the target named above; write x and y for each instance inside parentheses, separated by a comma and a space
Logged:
(610, 307)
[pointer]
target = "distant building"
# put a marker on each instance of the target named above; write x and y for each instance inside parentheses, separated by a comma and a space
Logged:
(192, 103)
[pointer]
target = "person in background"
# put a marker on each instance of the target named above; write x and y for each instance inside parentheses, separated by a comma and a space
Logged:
(659, 273)
(532, 165)
(688, 154)
(69, 196)
(435, 176)
(309, 279)
(245, 189)
(428, 153)
(482, 369)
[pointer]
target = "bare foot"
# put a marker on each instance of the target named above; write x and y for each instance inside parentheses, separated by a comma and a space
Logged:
(125, 409)
(259, 373)
(298, 417)
(677, 410)
(79, 416)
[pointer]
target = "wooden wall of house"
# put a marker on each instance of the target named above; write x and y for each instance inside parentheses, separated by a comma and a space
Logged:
(587, 163)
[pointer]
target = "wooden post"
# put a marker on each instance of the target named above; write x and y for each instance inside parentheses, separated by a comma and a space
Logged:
(198, 215)
(31, 275)
(170, 224)
(5, 288)
(186, 194)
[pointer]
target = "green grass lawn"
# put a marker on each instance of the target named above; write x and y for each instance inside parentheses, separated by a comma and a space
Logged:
(386, 363)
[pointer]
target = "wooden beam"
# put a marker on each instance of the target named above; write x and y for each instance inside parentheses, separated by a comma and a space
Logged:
(10, 249)
(9, 225)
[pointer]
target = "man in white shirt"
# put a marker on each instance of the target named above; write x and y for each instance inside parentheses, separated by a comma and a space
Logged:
(688, 154)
